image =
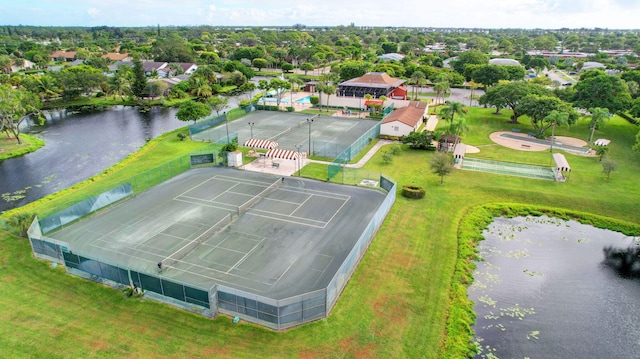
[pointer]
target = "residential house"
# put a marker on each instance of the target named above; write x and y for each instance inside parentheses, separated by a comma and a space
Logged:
(151, 66)
(405, 120)
(114, 56)
(64, 55)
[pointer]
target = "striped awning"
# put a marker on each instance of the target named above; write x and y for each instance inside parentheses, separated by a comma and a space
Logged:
(282, 154)
(264, 144)
(561, 162)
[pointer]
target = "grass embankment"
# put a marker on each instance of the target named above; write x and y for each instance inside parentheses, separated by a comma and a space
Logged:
(9, 147)
(407, 299)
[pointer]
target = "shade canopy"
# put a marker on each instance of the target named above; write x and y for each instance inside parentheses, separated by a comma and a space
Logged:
(257, 143)
(561, 163)
(283, 154)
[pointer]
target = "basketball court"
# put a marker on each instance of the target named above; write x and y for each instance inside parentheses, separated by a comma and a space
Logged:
(269, 235)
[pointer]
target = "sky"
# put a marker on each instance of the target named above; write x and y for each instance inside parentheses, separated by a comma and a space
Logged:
(529, 14)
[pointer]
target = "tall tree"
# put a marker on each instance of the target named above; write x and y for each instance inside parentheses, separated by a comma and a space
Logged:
(218, 103)
(454, 108)
(15, 106)
(598, 89)
(469, 57)
(489, 75)
(416, 79)
(441, 164)
(598, 117)
(539, 107)
(279, 86)
(192, 111)
(139, 79)
(509, 95)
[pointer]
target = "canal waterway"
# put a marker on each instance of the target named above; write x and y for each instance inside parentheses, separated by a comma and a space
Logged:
(543, 290)
(78, 146)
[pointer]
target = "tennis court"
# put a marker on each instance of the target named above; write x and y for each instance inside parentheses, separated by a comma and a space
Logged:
(217, 226)
(329, 135)
(508, 168)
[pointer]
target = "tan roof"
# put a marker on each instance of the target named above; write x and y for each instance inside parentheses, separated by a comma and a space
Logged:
(115, 56)
(65, 54)
(410, 115)
(375, 79)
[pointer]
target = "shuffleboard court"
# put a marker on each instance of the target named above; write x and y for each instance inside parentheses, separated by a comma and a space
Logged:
(256, 232)
(509, 168)
(556, 144)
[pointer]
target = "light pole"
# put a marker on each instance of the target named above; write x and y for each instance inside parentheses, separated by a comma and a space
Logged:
(553, 127)
(298, 147)
(309, 121)
(251, 124)
(226, 124)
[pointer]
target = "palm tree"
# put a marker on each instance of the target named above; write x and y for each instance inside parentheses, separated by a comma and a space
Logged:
(473, 86)
(449, 114)
(416, 78)
(120, 85)
(454, 108)
(598, 117)
(556, 118)
(47, 87)
(329, 90)
(440, 88)
(383, 99)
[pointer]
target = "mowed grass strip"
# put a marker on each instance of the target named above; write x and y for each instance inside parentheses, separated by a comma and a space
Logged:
(396, 305)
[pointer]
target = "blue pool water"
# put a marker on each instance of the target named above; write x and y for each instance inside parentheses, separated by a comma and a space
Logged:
(304, 99)
(273, 99)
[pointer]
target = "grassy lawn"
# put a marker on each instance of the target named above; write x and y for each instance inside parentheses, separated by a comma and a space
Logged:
(398, 303)
(9, 147)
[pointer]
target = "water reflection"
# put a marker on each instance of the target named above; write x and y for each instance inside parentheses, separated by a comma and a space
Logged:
(541, 291)
(625, 261)
(78, 146)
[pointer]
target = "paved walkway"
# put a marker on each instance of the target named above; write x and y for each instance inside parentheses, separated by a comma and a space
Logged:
(432, 123)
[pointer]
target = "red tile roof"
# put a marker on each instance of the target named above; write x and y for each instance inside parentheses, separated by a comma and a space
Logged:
(410, 115)
(375, 79)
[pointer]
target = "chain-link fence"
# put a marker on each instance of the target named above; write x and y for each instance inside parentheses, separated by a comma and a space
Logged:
(277, 314)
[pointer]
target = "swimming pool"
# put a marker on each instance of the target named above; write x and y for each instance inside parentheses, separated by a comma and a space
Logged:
(273, 99)
(306, 99)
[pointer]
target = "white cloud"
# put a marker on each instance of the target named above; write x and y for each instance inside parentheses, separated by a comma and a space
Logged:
(450, 13)
(93, 12)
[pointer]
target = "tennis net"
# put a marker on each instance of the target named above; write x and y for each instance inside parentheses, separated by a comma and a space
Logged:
(187, 248)
(246, 206)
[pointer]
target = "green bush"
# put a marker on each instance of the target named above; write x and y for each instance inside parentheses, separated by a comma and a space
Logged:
(290, 109)
(182, 136)
(413, 191)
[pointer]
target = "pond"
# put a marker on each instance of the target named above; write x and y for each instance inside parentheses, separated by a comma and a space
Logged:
(544, 290)
(77, 147)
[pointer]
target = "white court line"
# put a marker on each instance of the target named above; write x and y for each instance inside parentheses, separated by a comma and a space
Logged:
(283, 273)
(196, 186)
(209, 204)
(288, 221)
(318, 193)
(338, 210)
(245, 256)
(300, 205)
(325, 268)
